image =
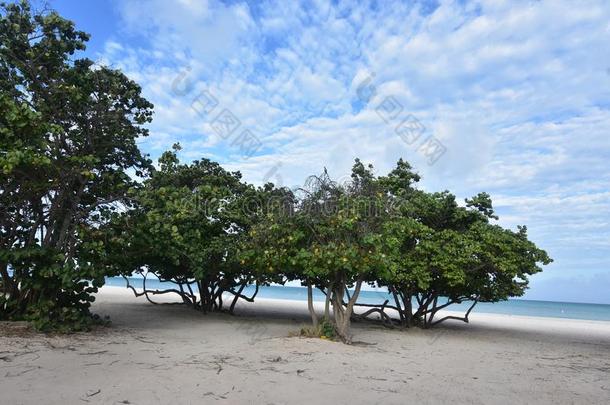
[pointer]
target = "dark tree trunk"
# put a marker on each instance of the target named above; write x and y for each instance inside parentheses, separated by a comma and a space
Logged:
(407, 299)
(236, 297)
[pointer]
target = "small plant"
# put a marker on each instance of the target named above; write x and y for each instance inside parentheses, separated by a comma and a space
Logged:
(327, 329)
(324, 330)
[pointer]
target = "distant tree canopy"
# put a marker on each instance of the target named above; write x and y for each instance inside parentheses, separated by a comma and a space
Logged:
(71, 214)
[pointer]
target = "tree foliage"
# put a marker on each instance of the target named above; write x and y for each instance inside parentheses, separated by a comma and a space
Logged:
(68, 133)
(186, 227)
(443, 251)
(426, 249)
(330, 242)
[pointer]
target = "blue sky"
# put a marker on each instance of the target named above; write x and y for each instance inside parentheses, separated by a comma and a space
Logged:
(517, 93)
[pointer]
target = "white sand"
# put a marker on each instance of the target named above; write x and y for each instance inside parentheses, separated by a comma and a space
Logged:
(172, 354)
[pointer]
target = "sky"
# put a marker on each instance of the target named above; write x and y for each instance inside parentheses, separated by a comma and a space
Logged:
(508, 97)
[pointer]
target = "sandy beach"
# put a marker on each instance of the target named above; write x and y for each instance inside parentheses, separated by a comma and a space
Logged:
(171, 354)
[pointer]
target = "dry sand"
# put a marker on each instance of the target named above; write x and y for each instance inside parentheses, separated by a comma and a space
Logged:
(171, 354)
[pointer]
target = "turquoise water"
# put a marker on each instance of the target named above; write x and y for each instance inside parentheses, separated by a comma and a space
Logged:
(595, 312)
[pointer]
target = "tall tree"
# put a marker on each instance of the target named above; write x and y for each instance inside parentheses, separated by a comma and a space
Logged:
(68, 133)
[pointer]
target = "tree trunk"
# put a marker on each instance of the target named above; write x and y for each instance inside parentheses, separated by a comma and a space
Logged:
(343, 315)
(423, 304)
(432, 311)
(339, 313)
(205, 297)
(403, 306)
(329, 293)
(312, 310)
(408, 305)
(236, 297)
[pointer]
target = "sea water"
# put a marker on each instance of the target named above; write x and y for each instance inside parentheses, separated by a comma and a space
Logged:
(596, 312)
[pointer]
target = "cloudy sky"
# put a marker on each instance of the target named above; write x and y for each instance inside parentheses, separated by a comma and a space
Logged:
(509, 97)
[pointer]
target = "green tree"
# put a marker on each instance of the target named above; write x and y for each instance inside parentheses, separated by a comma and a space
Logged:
(331, 241)
(186, 228)
(444, 254)
(177, 229)
(68, 133)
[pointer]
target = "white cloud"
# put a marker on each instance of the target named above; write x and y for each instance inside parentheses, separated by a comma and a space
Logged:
(517, 91)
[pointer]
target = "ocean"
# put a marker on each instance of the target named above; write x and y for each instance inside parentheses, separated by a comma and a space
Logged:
(594, 312)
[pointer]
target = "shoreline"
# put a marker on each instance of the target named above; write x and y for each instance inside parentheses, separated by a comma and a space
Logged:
(111, 282)
(514, 306)
(273, 308)
(112, 290)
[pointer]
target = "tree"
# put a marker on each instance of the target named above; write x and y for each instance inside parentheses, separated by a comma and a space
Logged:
(68, 133)
(330, 242)
(442, 251)
(186, 228)
(174, 228)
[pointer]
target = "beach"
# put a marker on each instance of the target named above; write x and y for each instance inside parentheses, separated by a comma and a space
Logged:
(173, 354)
